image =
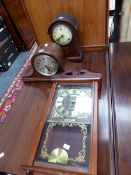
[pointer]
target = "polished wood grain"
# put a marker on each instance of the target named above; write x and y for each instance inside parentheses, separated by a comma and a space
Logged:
(99, 63)
(18, 16)
(91, 15)
(50, 170)
(18, 131)
(94, 133)
(120, 55)
(12, 30)
(67, 76)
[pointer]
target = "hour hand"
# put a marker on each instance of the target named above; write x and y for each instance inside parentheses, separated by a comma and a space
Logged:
(60, 37)
(49, 68)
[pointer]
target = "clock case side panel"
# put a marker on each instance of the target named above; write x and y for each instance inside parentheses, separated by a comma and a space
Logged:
(94, 132)
(54, 169)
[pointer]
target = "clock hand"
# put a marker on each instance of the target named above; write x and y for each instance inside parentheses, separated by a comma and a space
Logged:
(60, 37)
(49, 68)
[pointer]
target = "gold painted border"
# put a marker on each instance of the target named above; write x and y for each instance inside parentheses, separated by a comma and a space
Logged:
(81, 155)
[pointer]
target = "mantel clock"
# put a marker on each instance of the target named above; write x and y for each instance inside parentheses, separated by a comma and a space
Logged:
(49, 64)
(63, 30)
(47, 61)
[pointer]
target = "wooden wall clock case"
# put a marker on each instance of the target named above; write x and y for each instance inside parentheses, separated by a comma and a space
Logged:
(35, 168)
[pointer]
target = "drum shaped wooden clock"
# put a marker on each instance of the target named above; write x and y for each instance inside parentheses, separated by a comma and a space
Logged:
(46, 62)
(63, 30)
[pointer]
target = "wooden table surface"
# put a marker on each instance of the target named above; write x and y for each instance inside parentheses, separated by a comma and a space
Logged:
(18, 130)
(121, 93)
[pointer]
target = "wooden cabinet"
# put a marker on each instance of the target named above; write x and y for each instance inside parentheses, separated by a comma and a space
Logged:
(92, 16)
(16, 21)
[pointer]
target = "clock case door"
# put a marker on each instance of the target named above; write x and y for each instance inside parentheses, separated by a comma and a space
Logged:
(33, 166)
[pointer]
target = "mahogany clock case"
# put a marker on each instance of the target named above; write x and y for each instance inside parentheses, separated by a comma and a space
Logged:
(55, 134)
(73, 50)
(64, 18)
(67, 71)
(69, 75)
(51, 49)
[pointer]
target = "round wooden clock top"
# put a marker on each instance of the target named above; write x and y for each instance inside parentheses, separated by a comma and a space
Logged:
(52, 49)
(64, 18)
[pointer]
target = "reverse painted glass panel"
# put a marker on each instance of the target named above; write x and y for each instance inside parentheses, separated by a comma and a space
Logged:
(65, 144)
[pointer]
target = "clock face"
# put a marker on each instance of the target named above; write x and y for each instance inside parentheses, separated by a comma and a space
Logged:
(62, 34)
(72, 103)
(45, 65)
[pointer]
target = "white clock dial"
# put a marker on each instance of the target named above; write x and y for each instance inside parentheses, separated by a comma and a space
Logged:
(74, 102)
(46, 65)
(62, 34)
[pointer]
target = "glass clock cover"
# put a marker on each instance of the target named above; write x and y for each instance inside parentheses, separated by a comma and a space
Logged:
(65, 139)
(45, 65)
(62, 34)
(64, 144)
